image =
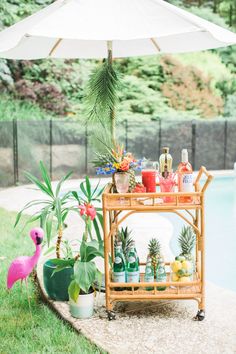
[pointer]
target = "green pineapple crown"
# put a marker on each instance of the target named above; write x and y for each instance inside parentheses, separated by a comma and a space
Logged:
(124, 236)
(187, 240)
(154, 247)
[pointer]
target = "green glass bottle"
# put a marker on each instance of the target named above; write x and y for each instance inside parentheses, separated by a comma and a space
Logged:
(136, 253)
(132, 267)
(149, 273)
(119, 266)
(161, 274)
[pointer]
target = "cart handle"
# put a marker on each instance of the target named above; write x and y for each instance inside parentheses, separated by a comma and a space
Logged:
(208, 180)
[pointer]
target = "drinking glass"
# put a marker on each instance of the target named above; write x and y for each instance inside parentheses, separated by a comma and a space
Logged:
(149, 173)
(167, 186)
(121, 182)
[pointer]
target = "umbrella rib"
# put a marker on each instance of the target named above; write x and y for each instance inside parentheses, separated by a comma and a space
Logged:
(55, 47)
(155, 44)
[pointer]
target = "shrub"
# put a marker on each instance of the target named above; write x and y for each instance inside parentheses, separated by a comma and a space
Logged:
(186, 88)
(48, 96)
(24, 90)
(51, 98)
(230, 107)
(5, 74)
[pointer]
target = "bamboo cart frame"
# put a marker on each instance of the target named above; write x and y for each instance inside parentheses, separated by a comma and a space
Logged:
(118, 207)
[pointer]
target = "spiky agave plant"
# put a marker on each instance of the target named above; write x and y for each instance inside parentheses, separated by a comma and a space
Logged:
(124, 236)
(187, 240)
(154, 248)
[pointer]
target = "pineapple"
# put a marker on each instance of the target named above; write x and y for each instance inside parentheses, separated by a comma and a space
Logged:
(132, 181)
(124, 236)
(187, 240)
(154, 248)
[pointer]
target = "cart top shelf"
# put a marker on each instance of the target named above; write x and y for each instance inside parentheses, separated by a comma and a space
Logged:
(158, 200)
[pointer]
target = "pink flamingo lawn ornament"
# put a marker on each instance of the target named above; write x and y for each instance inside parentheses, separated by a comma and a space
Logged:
(22, 266)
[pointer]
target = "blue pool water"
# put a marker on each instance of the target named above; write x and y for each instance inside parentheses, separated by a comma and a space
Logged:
(220, 232)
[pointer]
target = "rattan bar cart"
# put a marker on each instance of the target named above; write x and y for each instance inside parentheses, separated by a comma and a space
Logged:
(118, 207)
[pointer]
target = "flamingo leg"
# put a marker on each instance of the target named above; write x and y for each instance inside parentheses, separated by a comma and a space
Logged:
(27, 289)
(21, 285)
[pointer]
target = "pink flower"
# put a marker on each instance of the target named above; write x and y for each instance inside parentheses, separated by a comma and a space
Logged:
(88, 209)
(91, 211)
(82, 209)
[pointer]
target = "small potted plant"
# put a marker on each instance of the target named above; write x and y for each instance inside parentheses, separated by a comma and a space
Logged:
(81, 289)
(86, 273)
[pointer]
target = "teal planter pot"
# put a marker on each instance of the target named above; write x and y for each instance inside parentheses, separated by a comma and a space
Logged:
(57, 285)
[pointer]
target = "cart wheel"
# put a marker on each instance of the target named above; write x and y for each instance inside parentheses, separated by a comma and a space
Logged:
(111, 316)
(200, 315)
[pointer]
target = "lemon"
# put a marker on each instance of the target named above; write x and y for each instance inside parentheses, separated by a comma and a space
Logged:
(181, 258)
(184, 279)
(186, 265)
(182, 273)
(175, 277)
(175, 266)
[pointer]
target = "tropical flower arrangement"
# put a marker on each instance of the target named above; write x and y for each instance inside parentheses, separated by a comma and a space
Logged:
(115, 160)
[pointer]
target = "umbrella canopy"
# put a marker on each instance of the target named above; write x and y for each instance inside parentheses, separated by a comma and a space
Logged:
(87, 28)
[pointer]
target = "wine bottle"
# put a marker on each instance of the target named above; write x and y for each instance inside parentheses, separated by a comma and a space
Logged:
(185, 177)
(165, 162)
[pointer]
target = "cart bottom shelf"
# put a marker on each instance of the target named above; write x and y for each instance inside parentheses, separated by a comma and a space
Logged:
(168, 290)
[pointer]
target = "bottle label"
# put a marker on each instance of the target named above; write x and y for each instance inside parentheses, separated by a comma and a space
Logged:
(132, 277)
(149, 278)
(161, 271)
(187, 182)
(148, 271)
(118, 260)
(161, 277)
(119, 277)
(131, 259)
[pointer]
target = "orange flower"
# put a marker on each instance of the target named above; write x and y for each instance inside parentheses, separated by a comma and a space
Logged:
(124, 165)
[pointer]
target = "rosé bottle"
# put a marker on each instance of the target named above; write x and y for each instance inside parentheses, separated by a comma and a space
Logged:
(185, 177)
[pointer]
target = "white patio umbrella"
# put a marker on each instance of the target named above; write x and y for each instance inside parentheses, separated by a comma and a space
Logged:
(86, 28)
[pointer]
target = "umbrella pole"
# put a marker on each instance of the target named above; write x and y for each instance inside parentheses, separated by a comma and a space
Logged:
(112, 113)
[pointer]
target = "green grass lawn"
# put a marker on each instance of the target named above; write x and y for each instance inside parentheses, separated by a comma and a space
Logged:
(18, 334)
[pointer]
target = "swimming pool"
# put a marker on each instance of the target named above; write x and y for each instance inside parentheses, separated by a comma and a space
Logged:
(220, 232)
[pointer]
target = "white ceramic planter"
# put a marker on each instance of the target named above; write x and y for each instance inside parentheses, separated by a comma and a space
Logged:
(83, 308)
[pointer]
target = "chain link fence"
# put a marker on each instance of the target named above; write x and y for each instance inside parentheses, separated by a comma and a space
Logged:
(69, 145)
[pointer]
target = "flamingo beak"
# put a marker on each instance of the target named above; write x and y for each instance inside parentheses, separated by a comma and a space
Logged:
(39, 240)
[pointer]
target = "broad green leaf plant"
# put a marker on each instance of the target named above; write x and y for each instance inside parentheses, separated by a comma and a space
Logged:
(85, 270)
